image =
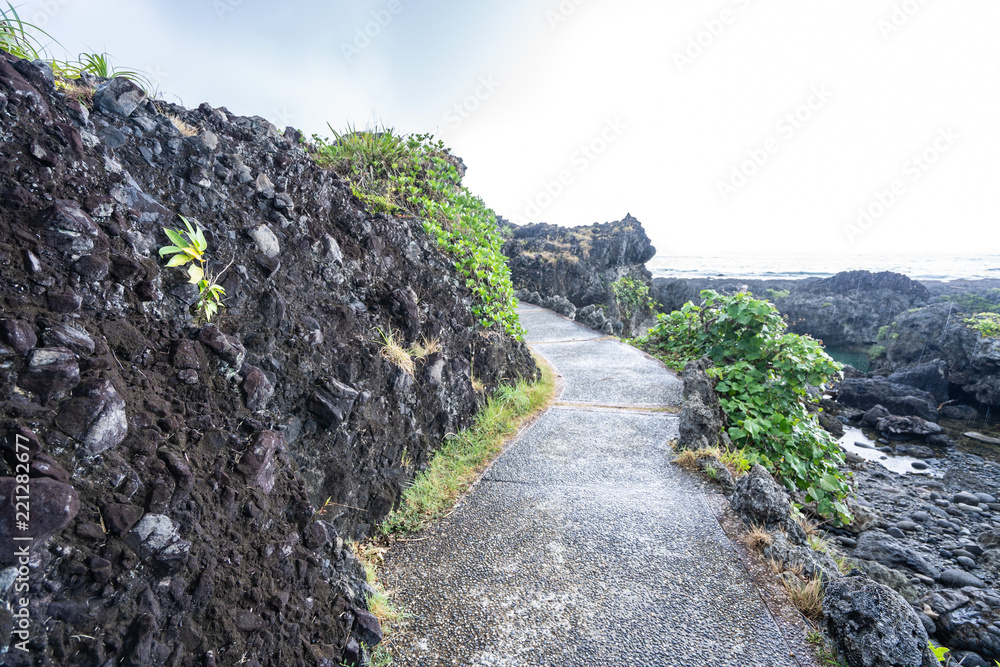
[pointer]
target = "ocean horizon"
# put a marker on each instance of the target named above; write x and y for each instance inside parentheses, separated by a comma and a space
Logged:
(789, 266)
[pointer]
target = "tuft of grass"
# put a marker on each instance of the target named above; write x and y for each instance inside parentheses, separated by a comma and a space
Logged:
(76, 90)
(818, 543)
(395, 353)
(380, 603)
(184, 128)
(825, 651)
(688, 458)
(758, 538)
(806, 595)
(18, 38)
(425, 348)
(463, 456)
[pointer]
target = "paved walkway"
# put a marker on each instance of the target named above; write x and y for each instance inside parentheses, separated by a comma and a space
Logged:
(583, 544)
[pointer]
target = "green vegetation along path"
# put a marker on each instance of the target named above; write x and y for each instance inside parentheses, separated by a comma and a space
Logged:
(583, 544)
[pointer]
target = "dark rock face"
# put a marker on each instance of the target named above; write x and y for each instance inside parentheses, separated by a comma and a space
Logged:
(176, 468)
(849, 308)
(579, 264)
(873, 626)
(758, 499)
(931, 376)
(886, 550)
(939, 333)
(898, 399)
(701, 419)
(968, 619)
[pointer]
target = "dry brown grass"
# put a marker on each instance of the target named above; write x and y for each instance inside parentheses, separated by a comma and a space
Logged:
(395, 353)
(809, 526)
(758, 538)
(184, 128)
(807, 596)
(425, 348)
(75, 90)
(688, 458)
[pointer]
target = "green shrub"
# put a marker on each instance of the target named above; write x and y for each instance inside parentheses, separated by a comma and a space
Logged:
(987, 301)
(632, 297)
(987, 324)
(415, 175)
(876, 352)
(775, 294)
(763, 378)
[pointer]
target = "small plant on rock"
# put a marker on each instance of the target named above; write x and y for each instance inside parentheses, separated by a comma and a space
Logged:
(191, 251)
(987, 324)
(632, 297)
(395, 353)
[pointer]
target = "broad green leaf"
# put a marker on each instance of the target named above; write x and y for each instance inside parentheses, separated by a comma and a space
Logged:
(195, 273)
(178, 260)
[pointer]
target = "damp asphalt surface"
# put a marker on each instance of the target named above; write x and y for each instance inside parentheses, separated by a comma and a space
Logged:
(583, 544)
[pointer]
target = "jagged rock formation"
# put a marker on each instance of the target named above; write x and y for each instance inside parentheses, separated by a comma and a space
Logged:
(179, 467)
(845, 310)
(849, 308)
(579, 264)
(939, 335)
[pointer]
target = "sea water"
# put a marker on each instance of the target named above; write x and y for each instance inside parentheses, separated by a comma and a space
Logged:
(783, 266)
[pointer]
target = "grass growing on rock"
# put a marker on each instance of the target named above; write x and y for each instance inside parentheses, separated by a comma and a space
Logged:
(416, 175)
(464, 456)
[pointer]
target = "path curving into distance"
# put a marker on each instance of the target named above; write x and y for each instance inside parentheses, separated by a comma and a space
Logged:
(583, 544)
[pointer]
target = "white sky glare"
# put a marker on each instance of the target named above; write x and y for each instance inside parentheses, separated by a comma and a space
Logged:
(728, 126)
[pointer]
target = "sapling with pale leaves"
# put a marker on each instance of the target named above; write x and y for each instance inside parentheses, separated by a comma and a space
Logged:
(190, 252)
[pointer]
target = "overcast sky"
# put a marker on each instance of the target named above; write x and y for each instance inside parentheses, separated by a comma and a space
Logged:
(854, 126)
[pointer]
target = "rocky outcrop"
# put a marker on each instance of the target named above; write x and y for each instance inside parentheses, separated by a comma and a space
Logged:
(873, 626)
(898, 399)
(177, 469)
(579, 264)
(939, 335)
(701, 420)
(845, 310)
(849, 308)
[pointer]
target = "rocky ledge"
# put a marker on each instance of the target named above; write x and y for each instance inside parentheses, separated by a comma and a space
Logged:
(191, 485)
(570, 269)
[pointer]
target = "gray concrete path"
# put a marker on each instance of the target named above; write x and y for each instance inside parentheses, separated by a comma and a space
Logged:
(583, 544)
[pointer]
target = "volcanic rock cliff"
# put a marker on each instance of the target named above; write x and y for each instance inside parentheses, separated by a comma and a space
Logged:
(176, 468)
(572, 268)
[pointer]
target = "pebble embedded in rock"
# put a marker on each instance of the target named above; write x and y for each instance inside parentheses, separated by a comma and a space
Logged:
(19, 335)
(96, 416)
(53, 505)
(50, 371)
(959, 579)
(266, 241)
(119, 96)
(966, 498)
